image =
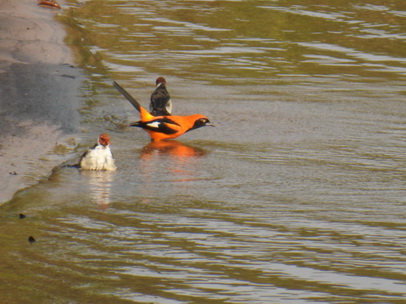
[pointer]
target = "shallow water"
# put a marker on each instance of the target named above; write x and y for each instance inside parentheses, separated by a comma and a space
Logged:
(297, 195)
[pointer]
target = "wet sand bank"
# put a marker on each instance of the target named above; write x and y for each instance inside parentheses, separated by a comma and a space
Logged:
(38, 88)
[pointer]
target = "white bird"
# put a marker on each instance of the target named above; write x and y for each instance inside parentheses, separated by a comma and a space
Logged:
(99, 157)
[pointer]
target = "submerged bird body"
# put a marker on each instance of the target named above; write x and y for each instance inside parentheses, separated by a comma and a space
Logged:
(99, 158)
(165, 126)
(161, 103)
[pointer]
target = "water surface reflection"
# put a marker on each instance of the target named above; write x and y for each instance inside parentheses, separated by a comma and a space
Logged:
(100, 183)
(296, 197)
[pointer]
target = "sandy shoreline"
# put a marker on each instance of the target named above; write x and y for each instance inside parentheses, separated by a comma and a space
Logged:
(39, 92)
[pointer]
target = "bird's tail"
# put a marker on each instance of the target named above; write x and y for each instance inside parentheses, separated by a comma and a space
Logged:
(145, 115)
(127, 95)
(136, 124)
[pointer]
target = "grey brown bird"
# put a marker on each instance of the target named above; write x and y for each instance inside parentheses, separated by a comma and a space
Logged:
(161, 104)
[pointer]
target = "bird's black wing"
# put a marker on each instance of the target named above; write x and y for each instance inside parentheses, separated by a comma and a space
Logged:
(161, 125)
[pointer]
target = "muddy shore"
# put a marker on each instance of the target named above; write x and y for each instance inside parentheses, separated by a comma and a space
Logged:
(39, 89)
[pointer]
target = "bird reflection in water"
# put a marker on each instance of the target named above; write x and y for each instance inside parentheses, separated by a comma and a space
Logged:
(171, 148)
(100, 186)
(166, 162)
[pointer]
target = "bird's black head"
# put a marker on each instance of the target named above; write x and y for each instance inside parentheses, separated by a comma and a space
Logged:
(201, 121)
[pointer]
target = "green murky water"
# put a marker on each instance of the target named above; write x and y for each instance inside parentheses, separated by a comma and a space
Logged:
(298, 195)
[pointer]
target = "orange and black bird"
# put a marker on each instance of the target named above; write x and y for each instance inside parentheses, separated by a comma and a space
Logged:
(161, 104)
(164, 126)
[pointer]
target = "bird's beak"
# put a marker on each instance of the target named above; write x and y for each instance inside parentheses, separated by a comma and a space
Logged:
(210, 124)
